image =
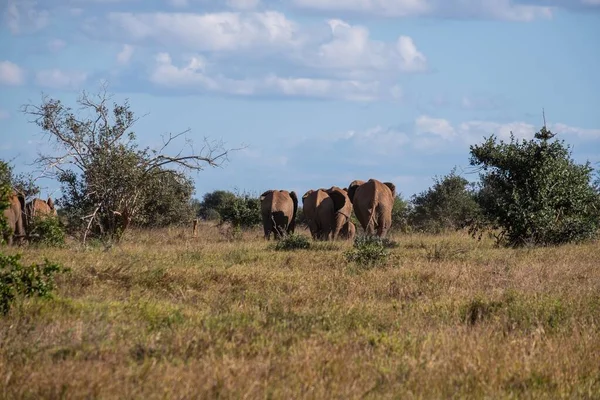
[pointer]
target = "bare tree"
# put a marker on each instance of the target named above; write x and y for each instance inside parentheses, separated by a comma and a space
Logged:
(104, 174)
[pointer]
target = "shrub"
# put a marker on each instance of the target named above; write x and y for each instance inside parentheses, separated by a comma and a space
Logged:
(447, 205)
(47, 231)
(293, 242)
(534, 193)
(242, 211)
(400, 214)
(28, 281)
(368, 251)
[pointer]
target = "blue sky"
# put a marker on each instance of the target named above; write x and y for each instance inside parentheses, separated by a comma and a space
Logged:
(322, 92)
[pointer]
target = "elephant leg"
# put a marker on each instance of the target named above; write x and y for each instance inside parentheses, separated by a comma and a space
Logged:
(339, 223)
(314, 230)
(383, 226)
(268, 227)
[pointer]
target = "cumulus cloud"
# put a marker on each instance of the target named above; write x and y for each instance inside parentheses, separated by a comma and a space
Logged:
(125, 54)
(350, 48)
(24, 16)
(11, 74)
(224, 31)
(197, 75)
(470, 132)
(59, 79)
(496, 9)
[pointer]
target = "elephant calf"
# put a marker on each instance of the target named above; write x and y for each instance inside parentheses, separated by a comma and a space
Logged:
(327, 211)
(278, 210)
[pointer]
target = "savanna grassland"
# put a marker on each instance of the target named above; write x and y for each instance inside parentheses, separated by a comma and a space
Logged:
(165, 315)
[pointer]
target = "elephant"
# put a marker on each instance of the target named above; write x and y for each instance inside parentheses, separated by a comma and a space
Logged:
(38, 208)
(327, 212)
(373, 202)
(278, 210)
(342, 208)
(319, 211)
(348, 231)
(14, 218)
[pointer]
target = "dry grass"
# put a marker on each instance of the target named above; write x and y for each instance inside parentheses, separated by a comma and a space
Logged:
(165, 315)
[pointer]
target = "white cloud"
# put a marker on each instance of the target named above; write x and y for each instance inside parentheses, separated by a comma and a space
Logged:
(125, 54)
(350, 48)
(196, 75)
(474, 131)
(56, 45)
(11, 73)
(23, 16)
(434, 126)
(493, 9)
(378, 140)
(224, 31)
(58, 79)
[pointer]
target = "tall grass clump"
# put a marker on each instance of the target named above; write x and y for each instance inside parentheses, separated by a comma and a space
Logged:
(293, 242)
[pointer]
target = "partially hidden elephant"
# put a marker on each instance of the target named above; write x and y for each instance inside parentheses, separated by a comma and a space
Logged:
(348, 231)
(373, 202)
(14, 218)
(319, 212)
(38, 208)
(278, 210)
(327, 212)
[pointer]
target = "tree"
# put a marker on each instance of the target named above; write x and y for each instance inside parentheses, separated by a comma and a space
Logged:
(168, 201)
(214, 202)
(534, 193)
(106, 178)
(447, 205)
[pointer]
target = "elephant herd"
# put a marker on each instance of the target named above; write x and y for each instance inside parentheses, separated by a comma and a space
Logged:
(19, 215)
(328, 211)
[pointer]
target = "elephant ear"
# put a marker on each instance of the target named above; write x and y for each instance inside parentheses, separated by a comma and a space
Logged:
(50, 203)
(265, 194)
(307, 194)
(295, 200)
(338, 197)
(392, 187)
(352, 189)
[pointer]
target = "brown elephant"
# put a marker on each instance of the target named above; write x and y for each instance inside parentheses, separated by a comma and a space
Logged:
(38, 208)
(373, 202)
(327, 212)
(342, 209)
(348, 231)
(14, 218)
(278, 210)
(319, 212)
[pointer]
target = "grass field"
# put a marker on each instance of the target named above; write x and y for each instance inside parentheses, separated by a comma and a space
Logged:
(165, 315)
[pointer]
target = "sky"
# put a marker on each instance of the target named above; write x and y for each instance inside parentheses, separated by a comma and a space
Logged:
(314, 93)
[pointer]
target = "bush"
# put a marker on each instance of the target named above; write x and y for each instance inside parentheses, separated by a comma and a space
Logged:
(47, 231)
(28, 281)
(242, 211)
(534, 193)
(447, 205)
(293, 242)
(368, 251)
(400, 214)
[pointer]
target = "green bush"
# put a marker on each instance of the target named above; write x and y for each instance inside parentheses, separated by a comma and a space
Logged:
(293, 242)
(400, 214)
(368, 251)
(47, 231)
(241, 211)
(534, 193)
(447, 205)
(17, 279)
